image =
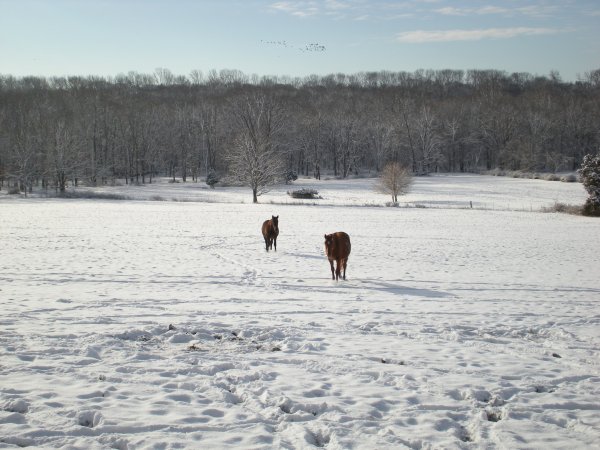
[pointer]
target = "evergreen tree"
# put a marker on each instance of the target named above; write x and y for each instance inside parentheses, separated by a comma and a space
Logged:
(212, 178)
(590, 177)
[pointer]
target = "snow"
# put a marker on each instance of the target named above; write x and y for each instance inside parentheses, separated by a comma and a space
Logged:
(165, 324)
(436, 191)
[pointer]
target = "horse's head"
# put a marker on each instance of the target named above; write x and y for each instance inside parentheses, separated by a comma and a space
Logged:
(328, 244)
(275, 222)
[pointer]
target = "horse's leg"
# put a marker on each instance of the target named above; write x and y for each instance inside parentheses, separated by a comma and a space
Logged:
(337, 269)
(345, 264)
(267, 243)
(332, 269)
(275, 242)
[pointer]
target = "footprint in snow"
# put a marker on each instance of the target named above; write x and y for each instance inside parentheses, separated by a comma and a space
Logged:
(479, 395)
(493, 415)
(16, 406)
(92, 352)
(465, 435)
(543, 389)
(315, 393)
(89, 418)
(18, 441)
(318, 439)
(212, 412)
(115, 442)
(91, 395)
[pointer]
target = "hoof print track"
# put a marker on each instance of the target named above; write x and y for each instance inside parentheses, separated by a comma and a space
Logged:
(318, 439)
(89, 419)
(493, 415)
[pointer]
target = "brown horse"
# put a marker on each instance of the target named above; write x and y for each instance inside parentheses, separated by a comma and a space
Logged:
(337, 248)
(270, 231)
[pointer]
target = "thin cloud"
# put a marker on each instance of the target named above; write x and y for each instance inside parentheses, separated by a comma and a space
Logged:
(425, 36)
(310, 8)
(336, 9)
(533, 10)
(484, 10)
(336, 5)
(298, 9)
(539, 10)
(451, 11)
(383, 10)
(491, 10)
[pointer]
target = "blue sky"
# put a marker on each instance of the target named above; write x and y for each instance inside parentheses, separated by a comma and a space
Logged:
(297, 37)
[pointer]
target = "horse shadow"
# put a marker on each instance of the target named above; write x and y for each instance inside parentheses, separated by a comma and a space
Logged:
(397, 288)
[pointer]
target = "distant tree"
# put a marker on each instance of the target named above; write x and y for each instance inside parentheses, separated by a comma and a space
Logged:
(254, 158)
(290, 176)
(196, 77)
(187, 135)
(24, 148)
(348, 141)
(212, 178)
(427, 141)
(164, 77)
(395, 180)
(64, 154)
(211, 132)
(497, 129)
(590, 177)
(379, 135)
(311, 140)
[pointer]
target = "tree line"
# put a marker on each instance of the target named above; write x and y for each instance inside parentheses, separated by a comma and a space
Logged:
(135, 127)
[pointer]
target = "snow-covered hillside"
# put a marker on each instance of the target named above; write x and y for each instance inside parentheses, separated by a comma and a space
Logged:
(148, 324)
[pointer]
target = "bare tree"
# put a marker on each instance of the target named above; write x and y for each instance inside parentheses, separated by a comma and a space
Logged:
(23, 156)
(428, 142)
(405, 130)
(164, 77)
(535, 134)
(311, 142)
(255, 160)
(349, 144)
(379, 136)
(395, 180)
(497, 128)
(64, 153)
(210, 126)
(196, 77)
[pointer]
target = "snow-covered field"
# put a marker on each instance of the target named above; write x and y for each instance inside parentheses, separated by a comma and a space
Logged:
(162, 324)
(439, 191)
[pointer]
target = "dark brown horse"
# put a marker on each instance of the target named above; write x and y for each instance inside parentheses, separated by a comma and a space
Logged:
(337, 248)
(270, 231)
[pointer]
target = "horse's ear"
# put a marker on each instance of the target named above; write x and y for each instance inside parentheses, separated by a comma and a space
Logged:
(277, 217)
(325, 236)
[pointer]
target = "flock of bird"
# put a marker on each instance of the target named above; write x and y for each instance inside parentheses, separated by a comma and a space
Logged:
(313, 47)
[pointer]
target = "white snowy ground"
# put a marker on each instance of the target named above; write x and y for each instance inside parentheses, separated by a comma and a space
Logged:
(145, 324)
